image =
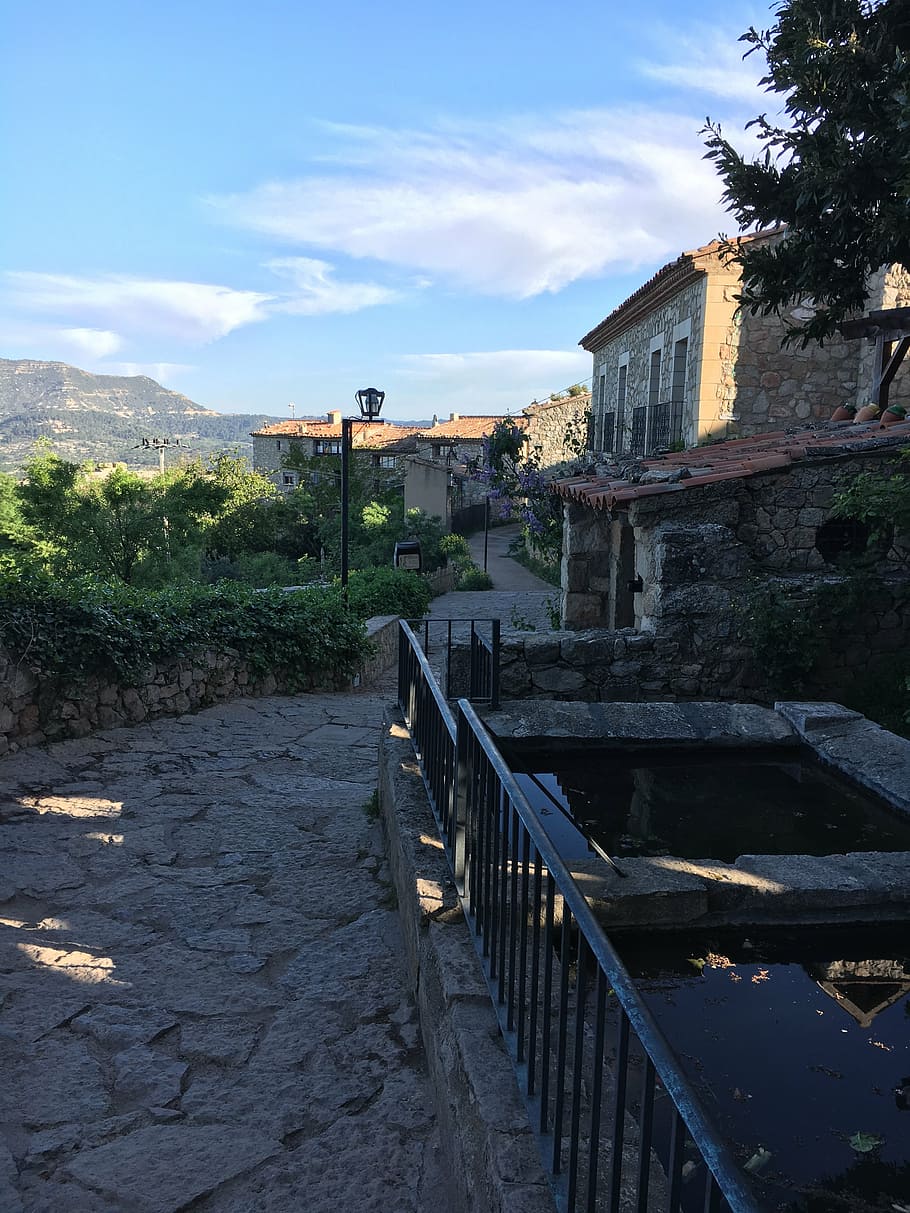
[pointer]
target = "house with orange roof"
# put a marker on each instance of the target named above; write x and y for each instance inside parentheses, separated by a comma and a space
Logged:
(678, 362)
(440, 475)
(383, 444)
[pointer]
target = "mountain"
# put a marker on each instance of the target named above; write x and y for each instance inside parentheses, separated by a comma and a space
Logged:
(106, 417)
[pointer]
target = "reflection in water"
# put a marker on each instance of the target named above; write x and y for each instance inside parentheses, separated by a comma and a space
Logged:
(800, 1040)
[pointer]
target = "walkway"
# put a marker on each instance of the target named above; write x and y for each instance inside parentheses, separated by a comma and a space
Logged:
(519, 598)
(201, 1002)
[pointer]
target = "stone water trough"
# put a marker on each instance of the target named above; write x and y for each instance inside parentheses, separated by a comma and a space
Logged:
(669, 891)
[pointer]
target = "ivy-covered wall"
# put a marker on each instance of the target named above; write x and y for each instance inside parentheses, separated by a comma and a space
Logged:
(35, 708)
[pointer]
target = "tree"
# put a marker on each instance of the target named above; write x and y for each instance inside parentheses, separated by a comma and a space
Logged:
(838, 176)
(109, 525)
(516, 484)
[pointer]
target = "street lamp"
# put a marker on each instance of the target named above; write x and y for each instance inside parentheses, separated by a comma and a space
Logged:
(369, 400)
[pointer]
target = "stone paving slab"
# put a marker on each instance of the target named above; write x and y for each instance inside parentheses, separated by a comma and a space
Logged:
(202, 1000)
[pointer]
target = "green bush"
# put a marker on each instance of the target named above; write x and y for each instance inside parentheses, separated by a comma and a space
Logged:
(474, 578)
(71, 630)
(387, 591)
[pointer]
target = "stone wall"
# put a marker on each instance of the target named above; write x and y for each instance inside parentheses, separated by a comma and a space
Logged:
(551, 422)
(694, 561)
(700, 655)
(34, 709)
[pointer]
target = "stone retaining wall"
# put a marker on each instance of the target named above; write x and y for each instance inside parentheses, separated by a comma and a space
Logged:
(35, 709)
(705, 659)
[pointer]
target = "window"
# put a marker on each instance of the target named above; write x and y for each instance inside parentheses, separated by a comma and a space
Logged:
(639, 427)
(289, 480)
(388, 461)
(678, 392)
(609, 431)
(620, 406)
(326, 446)
(654, 379)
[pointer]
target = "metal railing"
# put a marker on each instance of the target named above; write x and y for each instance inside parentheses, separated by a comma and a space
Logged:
(620, 1125)
(481, 670)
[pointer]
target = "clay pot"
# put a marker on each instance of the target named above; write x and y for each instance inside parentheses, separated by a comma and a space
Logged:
(844, 412)
(893, 414)
(867, 413)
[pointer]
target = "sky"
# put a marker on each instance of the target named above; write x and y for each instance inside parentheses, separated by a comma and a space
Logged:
(276, 203)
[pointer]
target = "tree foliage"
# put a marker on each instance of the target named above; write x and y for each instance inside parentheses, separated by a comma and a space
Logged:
(837, 174)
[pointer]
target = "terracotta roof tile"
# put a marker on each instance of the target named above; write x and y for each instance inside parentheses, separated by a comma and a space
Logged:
(734, 459)
(371, 436)
(468, 427)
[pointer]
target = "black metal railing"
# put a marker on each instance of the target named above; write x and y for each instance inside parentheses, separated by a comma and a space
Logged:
(477, 677)
(620, 1125)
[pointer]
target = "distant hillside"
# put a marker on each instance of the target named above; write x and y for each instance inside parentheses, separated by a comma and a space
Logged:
(105, 417)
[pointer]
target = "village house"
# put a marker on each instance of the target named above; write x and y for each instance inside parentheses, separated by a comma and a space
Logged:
(386, 446)
(679, 363)
(662, 558)
(441, 476)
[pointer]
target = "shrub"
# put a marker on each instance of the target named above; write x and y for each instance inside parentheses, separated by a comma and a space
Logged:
(69, 631)
(387, 591)
(474, 578)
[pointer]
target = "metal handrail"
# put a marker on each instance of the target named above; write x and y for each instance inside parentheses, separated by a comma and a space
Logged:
(712, 1148)
(509, 873)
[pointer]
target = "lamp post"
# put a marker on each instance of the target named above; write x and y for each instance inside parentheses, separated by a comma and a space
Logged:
(369, 400)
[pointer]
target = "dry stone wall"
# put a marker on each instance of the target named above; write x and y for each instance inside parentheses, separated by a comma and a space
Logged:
(35, 709)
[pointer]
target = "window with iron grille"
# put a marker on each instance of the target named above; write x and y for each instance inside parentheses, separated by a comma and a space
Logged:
(639, 430)
(608, 432)
(659, 426)
(678, 394)
(654, 379)
(620, 407)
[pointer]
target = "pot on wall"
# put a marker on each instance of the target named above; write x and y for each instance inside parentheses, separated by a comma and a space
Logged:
(867, 413)
(893, 414)
(844, 412)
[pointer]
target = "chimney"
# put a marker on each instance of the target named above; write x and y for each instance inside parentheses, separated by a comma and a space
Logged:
(454, 417)
(334, 416)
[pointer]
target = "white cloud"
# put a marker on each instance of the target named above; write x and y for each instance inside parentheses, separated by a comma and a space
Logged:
(515, 208)
(97, 343)
(164, 373)
(316, 292)
(711, 62)
(495, 381)
(191, 312)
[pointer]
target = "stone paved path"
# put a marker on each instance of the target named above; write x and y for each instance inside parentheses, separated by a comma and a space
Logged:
(201, 1004)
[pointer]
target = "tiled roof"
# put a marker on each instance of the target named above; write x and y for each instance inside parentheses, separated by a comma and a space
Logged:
(734, 459)
(372, 436)
(467, 427)
(668, 281)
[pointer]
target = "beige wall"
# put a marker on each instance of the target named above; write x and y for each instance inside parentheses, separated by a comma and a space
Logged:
(426, 487)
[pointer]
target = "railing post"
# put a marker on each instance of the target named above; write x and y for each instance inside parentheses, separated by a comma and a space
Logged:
(494, 672)
(460, 797)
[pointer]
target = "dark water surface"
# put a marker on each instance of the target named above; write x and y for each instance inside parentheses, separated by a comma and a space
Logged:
(799, 1044)
(714, 804)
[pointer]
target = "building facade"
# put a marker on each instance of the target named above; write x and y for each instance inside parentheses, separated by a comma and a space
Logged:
(679, 363)
(384, 445)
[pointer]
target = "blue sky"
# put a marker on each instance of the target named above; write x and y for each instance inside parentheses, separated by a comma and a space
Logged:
(274, 202)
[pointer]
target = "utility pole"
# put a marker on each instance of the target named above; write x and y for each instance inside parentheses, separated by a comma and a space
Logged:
(159, 445)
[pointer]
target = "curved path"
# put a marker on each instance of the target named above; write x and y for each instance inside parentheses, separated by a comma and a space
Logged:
(201, 1004)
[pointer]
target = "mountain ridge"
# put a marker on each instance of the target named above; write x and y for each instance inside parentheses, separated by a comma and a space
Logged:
(105, 417)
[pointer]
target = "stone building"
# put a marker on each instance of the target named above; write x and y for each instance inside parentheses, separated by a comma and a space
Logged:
(385, 445)
(440, 475)
(662, 558)
(678, 362)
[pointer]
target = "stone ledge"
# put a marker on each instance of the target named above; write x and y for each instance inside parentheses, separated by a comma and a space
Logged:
(491, 1150)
